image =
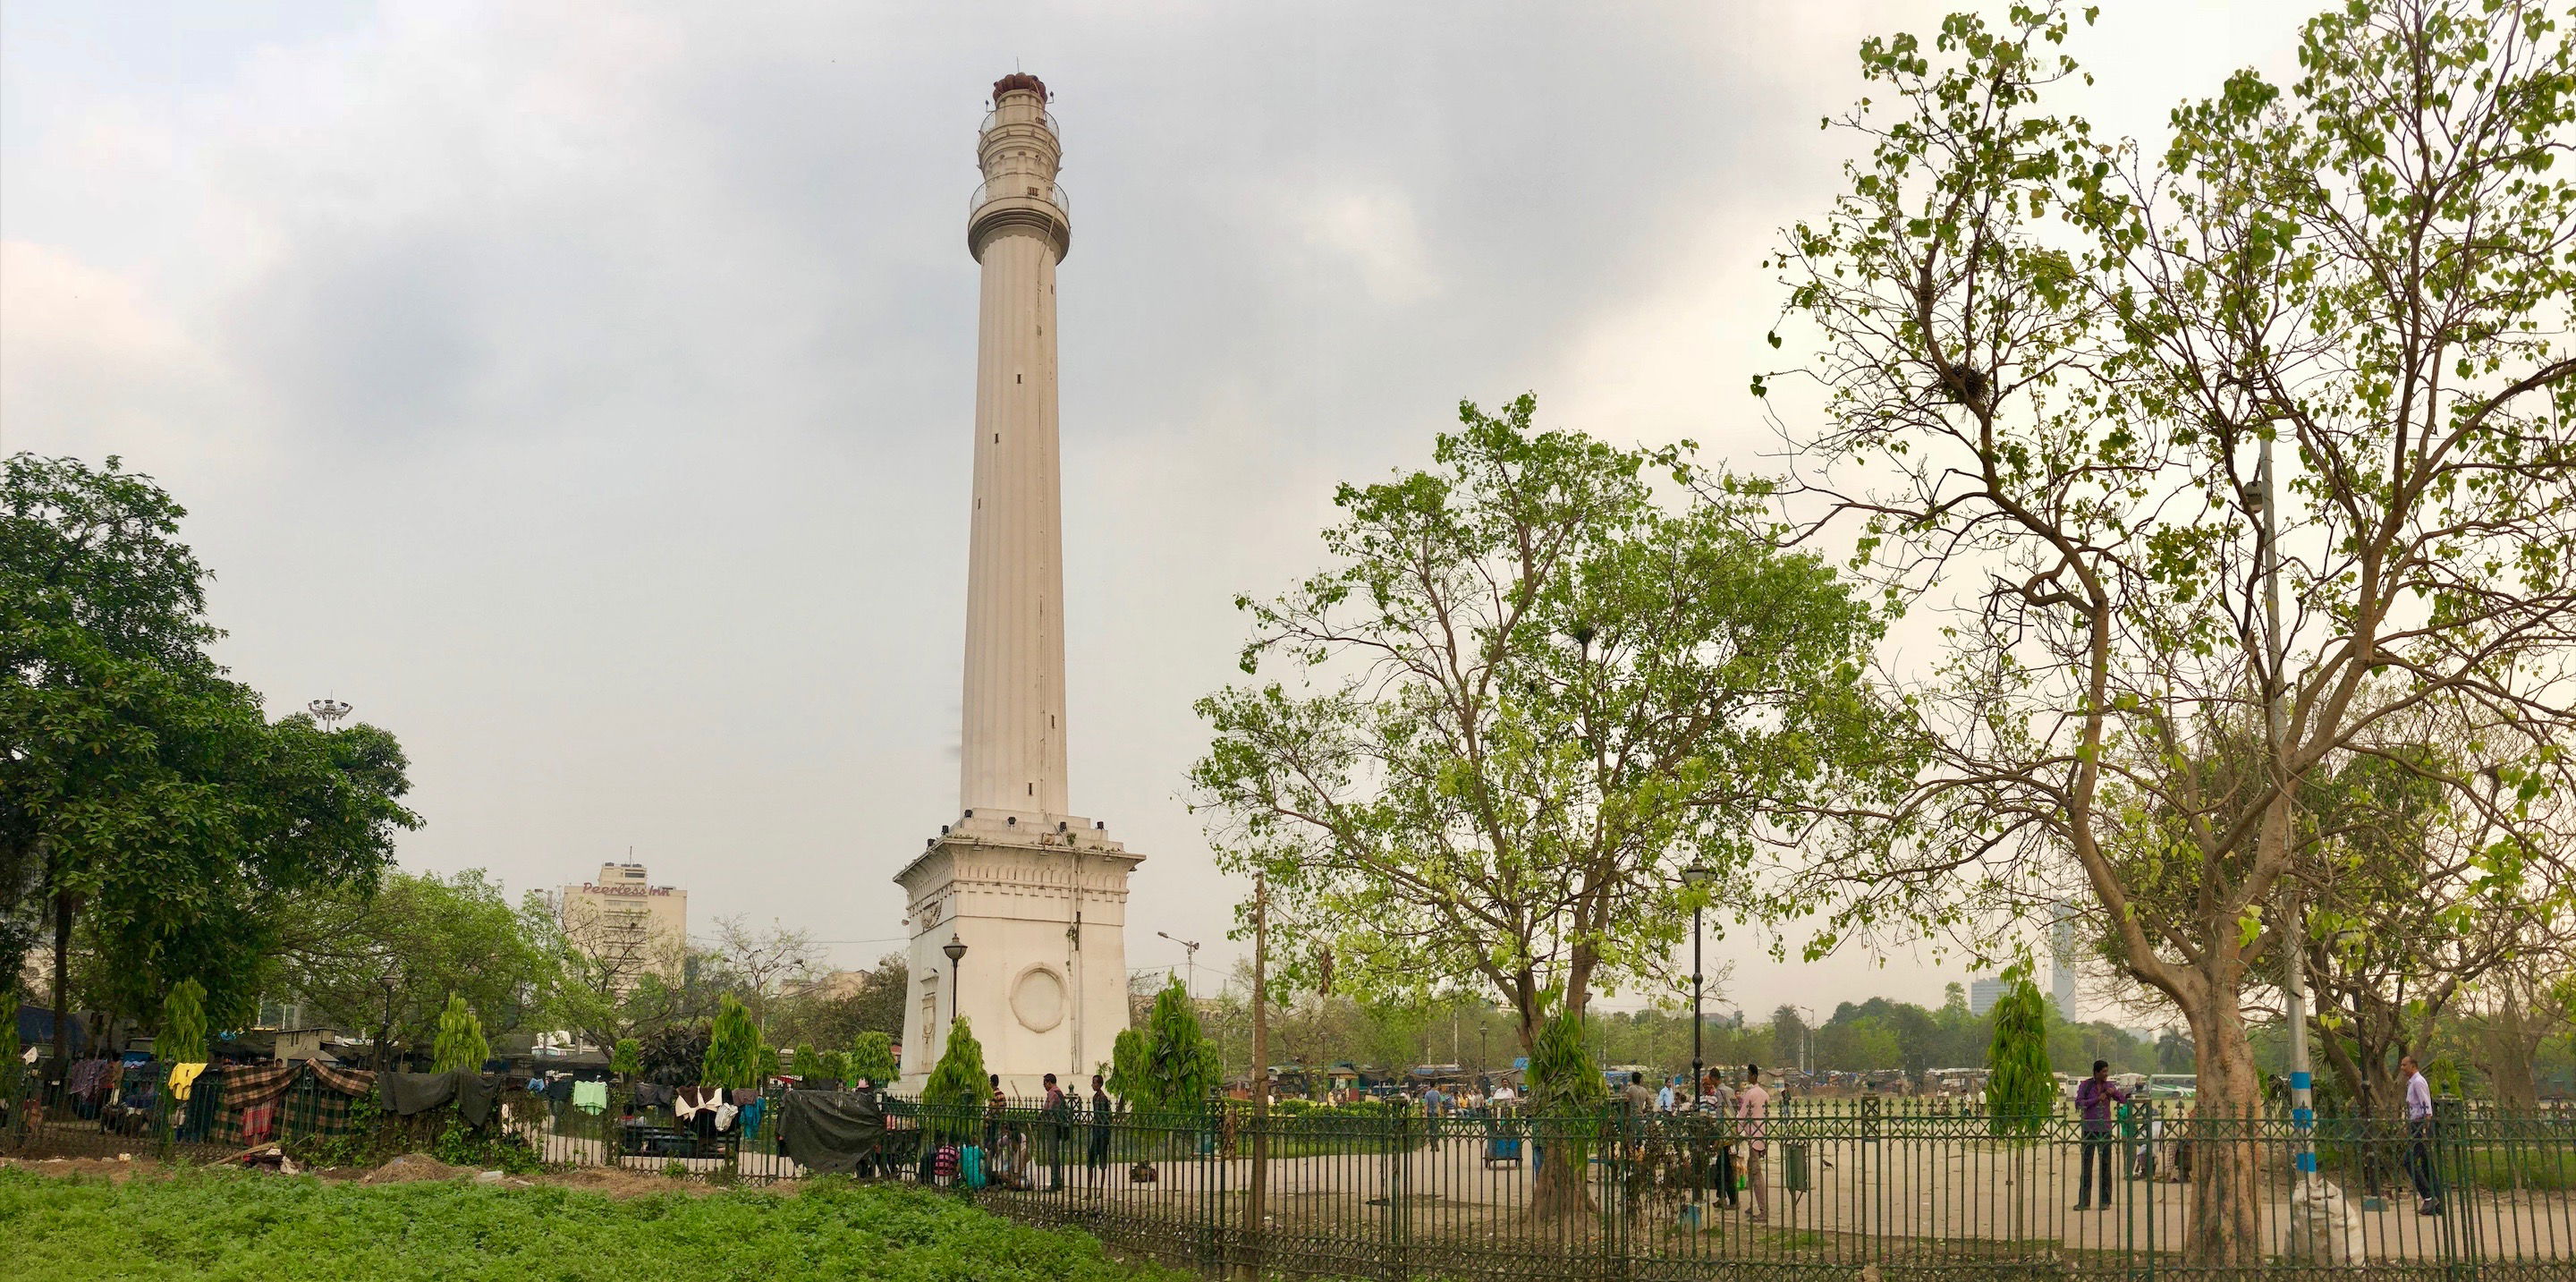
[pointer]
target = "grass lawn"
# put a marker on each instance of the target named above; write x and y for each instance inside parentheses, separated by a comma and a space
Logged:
(225, 1225)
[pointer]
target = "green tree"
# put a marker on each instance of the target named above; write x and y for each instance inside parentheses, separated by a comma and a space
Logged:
(807, 1065)
(460, 1047)
(182, 1036)
(872, 1057)
(954, 1093)
(1180, 1068)
(1536, 690)
(1127, 1063)
(416, 939)
(1566, 1092)
(627, 1059)
(836, 1067)
(1861, 1044)
(145, 799)
(835, 1015)
(2021, 1089)
(733, 1059)
(2055, 366)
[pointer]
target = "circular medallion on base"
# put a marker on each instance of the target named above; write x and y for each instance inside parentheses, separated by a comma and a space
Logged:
(1037, 998)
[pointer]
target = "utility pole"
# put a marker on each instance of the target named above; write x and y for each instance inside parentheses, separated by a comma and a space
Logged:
(1257, 1200)
(1190, 950)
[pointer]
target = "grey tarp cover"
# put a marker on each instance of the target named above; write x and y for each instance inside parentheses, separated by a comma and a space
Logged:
(407, 1093)
(828, 1132)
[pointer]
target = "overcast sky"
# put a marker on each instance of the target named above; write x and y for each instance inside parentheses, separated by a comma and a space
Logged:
(584, 391)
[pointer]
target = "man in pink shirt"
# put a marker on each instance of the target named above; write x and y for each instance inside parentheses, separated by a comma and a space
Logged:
(1752, 1105)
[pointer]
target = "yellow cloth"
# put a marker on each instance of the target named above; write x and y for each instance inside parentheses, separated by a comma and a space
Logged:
(183, 1076)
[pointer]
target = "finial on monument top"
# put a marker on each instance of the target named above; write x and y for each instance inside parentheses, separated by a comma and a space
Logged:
(1019, 80)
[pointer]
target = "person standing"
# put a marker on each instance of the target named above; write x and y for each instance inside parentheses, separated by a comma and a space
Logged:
(1059, 1128)
(1665, 1097)
(1638, 1098)
(1716, 1101)
(2419, 1138)
(1752, 1108)
(1096, 1159)
(995, 1105)
(2094, 1097)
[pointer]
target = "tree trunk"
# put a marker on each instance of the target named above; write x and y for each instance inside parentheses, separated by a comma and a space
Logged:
(1559, 1192)
(1256, 1215)
(62, 1048)
(2226, 1226)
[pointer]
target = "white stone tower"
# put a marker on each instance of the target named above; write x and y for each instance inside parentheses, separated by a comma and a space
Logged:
(1036, 895)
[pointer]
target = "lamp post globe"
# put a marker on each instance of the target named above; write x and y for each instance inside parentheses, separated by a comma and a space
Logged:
(955, 948)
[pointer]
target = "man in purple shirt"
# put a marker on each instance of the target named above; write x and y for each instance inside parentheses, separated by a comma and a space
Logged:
(2419, 1137)
(2094, 1097)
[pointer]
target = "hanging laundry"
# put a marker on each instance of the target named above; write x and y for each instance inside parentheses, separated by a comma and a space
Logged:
(724, 1115)
(183, 1076)
(590, 1097)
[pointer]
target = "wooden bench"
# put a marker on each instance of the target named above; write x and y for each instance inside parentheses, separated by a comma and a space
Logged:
(674, 1141)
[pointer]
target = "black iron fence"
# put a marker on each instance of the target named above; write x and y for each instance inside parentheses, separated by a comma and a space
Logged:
(1821, 1189)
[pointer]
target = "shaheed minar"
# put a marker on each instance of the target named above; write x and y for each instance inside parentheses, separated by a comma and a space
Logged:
(1037, 896)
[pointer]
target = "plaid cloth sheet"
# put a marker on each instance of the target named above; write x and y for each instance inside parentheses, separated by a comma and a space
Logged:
(308, 1099)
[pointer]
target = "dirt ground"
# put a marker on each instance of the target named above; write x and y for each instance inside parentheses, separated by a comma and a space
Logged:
(408, 1168)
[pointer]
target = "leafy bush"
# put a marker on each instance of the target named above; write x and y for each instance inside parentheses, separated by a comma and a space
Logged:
(460, 1047)
(628, 1059)
(2021, 1089)
(182, 1039)
(733, 1059)
(956, 1088)
(233, 1227)
(1169, 1065)
(462, 1145)
(873, 1058)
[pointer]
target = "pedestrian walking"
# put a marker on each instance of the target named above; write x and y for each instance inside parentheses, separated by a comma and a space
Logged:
(2419, 1138)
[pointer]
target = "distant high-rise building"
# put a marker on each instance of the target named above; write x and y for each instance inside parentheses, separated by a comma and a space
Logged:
(2061, 957)
(625, 926)
(1984, 993)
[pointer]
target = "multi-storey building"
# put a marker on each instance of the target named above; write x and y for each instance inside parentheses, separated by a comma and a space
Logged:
(626, 926)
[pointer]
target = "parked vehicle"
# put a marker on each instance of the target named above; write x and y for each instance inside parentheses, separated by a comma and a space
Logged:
(2173, 1086)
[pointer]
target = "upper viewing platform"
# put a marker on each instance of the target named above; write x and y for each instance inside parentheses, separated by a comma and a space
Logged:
(1019, 149)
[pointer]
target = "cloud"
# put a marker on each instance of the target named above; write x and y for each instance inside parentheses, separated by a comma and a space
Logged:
(102, 366)
(584, 390)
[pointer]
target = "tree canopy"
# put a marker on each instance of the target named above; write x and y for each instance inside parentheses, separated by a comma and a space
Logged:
(2081, 397)
(142, 794)
(1528, 689)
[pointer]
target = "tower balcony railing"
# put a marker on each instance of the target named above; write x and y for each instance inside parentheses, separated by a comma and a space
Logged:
(1046, 118)
(1019, 187)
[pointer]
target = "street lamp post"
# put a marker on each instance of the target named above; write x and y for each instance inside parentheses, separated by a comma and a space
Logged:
(956, 950)
(327, 711)
(1191, 948)
(1695, 877)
